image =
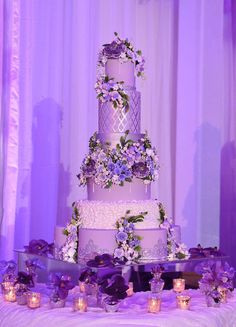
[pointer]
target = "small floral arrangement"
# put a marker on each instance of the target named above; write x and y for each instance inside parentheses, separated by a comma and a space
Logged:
(215, 277)
(115, 288)
(114, 166)
(60, 285)
(123, 50)
(175, 250)
(40, 247)
(109, 91)
(199, 251)
(8, 270)
(24, 281)
(31, 267)
(88, 276)
(69, 251)
(128, 242)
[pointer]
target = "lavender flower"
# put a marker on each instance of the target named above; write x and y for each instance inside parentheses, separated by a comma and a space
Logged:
(104, 260)
(40, 247)
(88, 276)
(121, 236)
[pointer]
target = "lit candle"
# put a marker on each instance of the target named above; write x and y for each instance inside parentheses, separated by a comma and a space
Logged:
(224, 294)
(183, 302)
(154, 304)
(33, 300)
(10, 294)
(82, 287)
(130, 290)
(178, 285)
(80, 303)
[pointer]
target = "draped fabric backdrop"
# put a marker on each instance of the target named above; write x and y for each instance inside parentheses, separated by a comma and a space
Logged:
(48, 55)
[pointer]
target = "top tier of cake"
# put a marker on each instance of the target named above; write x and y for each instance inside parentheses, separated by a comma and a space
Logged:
(115, 120)
(121, 72)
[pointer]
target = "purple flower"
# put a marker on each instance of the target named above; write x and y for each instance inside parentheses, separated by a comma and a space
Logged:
(118, 253)
(89, 168)
(60, 284)
(113, 50)
(115, 287)
(24, 278)
(88, 276)
(40, 247)
(104, 260)
(121, 236)
(7, 267)
(140, 170)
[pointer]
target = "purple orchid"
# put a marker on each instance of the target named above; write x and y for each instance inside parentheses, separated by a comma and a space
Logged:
(113, 50)
(60, 284)
(104, 260)
(88, 276)
(40, 247)
(114, 287)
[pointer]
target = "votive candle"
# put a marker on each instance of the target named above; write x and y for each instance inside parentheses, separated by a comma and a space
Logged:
(33, 300)
(130, 290)
(224, 294)
(183, 302)
(154, 304)
(9, 294)
(178, 285)
(80, 303)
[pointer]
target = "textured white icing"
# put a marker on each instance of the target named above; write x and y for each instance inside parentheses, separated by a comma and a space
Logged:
(103, 215)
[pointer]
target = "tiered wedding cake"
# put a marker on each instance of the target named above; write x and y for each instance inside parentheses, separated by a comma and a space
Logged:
(119, 217)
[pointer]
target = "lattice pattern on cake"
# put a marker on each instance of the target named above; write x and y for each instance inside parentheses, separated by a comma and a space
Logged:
(112, 120)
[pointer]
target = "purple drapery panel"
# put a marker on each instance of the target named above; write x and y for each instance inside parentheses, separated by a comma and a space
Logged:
(10, 119)
(228, 151)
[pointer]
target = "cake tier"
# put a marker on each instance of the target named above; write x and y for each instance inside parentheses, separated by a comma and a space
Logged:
(120, 71)
(92, 241)
(104, 214)
(135, 190)
(114, 138)
(112, 120)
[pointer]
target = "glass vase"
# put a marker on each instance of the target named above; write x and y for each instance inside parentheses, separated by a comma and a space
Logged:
(212, 302)
(111, 305)
(21, 299)
(57, 304)
(156, 285)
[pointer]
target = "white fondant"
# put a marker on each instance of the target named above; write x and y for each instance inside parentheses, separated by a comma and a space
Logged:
(136, 190)
(120, 71)
(104, 214)
(59, 237)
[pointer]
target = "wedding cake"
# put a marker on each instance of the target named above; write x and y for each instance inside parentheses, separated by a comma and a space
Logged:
(119, 217)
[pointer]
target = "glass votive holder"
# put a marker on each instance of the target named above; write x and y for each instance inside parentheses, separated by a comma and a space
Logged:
(183, 302)
(33, 300)
(178, 285)
(224, 294)
(154, 304)
(21, 299)
(80, 303)
(130, 290)
(8, 291)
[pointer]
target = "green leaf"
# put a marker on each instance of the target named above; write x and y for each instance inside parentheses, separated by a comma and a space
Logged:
(139, 52)
(65, 232)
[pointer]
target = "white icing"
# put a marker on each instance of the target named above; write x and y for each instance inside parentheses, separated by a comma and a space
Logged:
(103, 215)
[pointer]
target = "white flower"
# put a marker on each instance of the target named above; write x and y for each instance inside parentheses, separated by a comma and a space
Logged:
(149, 152)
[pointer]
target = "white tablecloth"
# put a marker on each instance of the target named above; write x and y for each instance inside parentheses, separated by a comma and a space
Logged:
(132, 312)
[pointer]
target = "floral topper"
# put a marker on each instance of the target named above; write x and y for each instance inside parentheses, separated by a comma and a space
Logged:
(116, 165)
(123, 50)
(128, 242)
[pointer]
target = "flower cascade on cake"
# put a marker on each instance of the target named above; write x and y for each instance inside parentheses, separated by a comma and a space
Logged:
(128, 249)
(175, 250)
